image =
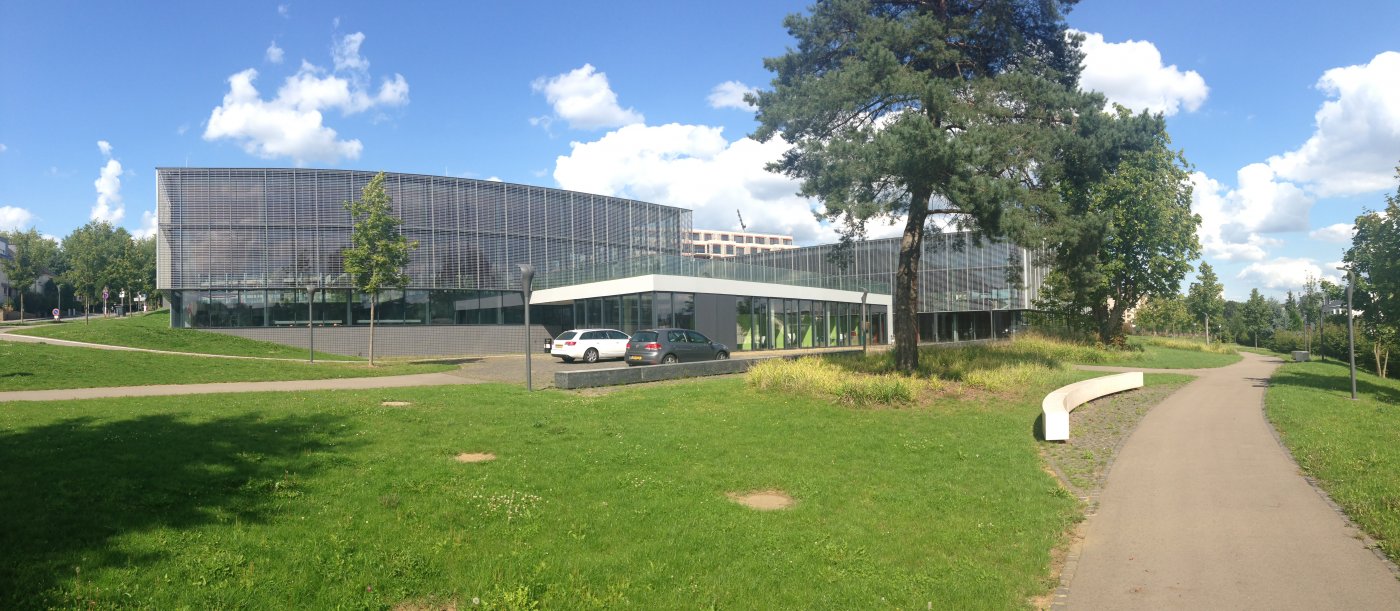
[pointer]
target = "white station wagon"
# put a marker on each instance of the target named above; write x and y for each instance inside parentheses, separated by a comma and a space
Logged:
(588, 345)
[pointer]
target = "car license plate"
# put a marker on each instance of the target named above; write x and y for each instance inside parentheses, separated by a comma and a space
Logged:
(555, 345)
(634, 358)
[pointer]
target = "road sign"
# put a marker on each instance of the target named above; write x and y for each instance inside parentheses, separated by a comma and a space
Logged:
(55, 313)
(104, 294)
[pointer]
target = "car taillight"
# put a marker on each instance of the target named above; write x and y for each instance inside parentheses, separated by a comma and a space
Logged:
(570, 343)
(652, 346)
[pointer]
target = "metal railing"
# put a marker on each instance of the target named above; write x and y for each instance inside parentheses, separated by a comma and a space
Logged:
(722, 269)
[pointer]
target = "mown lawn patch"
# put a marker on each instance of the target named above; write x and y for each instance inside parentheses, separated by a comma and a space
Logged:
(1351, 447)
(25, 366)
(152, 331)
(329, 500)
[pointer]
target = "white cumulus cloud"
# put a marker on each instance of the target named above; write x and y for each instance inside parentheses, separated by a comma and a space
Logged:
(109, 205)
(12, 218)
(695, 167)
(274, 53)
(292, 124)
(1339, 233)
(584, 98)
(1234, 221)
(730, 94)
(1356, 140)
(285, 11)
(1131, 73)
(148, 225)
(3, 148)
(1286, 273)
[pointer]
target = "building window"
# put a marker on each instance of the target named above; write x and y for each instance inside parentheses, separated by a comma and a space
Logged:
(772, 240)
(729, 250)
(787, 241)
(716, 249)
(724, 237)
(709, 236)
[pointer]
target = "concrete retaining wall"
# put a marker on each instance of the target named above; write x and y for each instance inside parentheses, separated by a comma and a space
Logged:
(418, 340)
(591, 378)
(1058, 404)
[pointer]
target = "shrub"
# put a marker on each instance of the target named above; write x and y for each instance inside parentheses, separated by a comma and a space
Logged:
(819, 376)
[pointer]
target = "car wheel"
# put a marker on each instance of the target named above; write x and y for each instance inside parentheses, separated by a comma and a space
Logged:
(722, 356)
(669, 359)
(590, 356)
(567, 359)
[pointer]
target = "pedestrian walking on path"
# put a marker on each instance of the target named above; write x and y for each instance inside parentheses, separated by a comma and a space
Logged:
(1204, 509)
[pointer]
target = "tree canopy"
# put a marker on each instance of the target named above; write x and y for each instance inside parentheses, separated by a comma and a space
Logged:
(1375, 258)
(1124, 235)
(914, 109)
(34, 255)
(93, 253)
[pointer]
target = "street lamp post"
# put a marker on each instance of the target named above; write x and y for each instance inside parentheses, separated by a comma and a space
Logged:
(527, 278)
(1322, 329)
(310, 323)
(1351, 331)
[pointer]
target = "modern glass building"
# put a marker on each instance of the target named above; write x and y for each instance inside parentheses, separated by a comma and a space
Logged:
(238, 249)
(966, 290)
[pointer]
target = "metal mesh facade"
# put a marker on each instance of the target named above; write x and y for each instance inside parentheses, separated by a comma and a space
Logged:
(955, 275)
(283, 228)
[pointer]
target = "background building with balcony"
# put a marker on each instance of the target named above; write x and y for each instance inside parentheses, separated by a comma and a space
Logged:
(716, 244)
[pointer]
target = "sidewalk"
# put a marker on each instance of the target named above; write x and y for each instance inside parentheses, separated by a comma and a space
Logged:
(1204, 509)
(422, 379)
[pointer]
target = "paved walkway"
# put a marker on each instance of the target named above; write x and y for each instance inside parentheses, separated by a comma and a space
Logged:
(421, 379)
(1203, 509)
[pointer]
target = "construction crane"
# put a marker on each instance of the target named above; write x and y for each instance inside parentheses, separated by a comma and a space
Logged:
(742, 226)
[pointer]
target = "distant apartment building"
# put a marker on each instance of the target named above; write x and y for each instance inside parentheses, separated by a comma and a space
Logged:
(714, 244)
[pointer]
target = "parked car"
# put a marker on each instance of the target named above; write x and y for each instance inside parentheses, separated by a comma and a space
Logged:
(588, 345)
(654, 346)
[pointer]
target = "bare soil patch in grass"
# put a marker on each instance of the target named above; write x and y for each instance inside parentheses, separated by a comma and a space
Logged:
(395, 403)
(763, 500)
(427, 604)
(471, 457)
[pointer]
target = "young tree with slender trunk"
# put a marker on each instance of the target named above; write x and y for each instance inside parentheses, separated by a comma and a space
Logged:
(1205, 298)
(918, 109)
(378, 251)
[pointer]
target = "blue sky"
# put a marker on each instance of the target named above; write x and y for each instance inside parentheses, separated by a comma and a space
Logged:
(1290, 114)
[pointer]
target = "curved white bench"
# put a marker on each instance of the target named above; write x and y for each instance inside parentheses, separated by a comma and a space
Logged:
(1058, 404)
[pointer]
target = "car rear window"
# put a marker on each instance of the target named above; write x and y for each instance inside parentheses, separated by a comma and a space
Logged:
(644, 336)
(566, 335)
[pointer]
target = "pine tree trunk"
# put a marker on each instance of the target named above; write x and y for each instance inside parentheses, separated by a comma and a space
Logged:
(373, 299)
(906, 280)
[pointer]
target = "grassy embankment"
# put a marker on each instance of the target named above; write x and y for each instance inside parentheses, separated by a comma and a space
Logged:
(25, 366)
(1351, 448)
(152, 331)
(332, 500)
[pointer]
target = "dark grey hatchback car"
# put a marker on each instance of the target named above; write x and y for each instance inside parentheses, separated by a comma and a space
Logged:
(655, 346)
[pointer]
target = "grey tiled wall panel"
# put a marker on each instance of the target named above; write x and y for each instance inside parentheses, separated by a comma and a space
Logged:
(467, 340)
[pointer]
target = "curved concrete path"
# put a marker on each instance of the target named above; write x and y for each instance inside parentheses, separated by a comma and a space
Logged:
(1203, 509)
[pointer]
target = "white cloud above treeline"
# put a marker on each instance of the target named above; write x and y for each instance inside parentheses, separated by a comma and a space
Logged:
(1356, 141)
(1286, 273)
(109, 206)
(1353, 150)
(1339, 233)
(730, 94)
(13, 218)
(583, 98)
(292, 124)
(1132, 73)
(274, 53)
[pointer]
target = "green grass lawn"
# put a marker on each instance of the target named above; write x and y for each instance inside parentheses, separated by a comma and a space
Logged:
(329, 500)
(1170, 353)
(1351, 448)
(42, 366)
(153, 331)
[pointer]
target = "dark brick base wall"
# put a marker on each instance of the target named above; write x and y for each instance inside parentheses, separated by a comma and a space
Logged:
(446, 340)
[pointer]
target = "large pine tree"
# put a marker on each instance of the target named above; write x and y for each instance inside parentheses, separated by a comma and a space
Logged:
(916, 109)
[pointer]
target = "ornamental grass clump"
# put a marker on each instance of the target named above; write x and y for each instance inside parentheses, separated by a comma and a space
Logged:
(817, 376)
(1186, 344)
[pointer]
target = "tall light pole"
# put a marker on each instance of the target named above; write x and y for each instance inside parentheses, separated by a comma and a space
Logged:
(1322, 329)
(1351, 331)
(310, 322)
(527, 278)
